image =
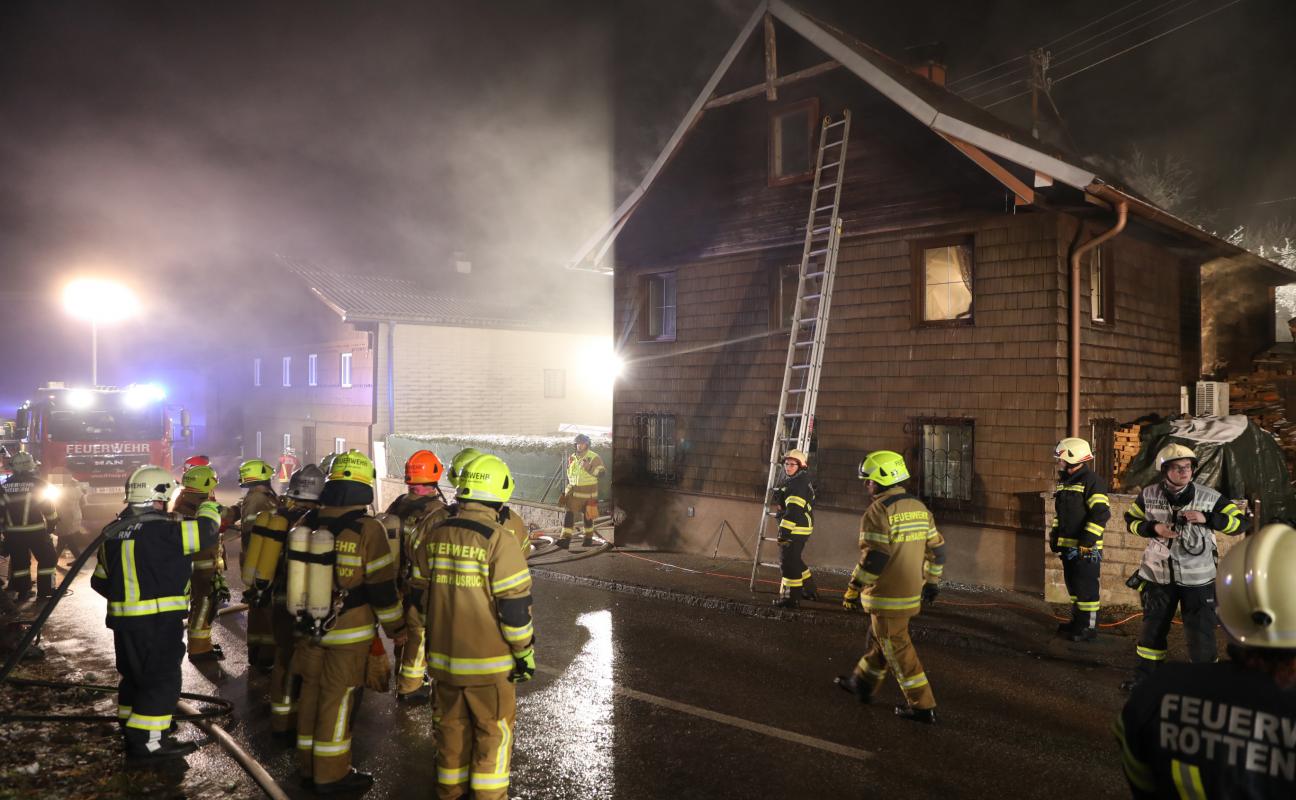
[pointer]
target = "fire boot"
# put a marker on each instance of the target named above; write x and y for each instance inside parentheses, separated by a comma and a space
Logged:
(355, 782)
(792, 600)
(851, 683)
(563, 543)
(166, 748)
(926, 716)
(214, 654)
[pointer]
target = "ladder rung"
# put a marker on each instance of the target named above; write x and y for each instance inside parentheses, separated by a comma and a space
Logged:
(827, 186)
(800, 366)
(796, 391)
(818, 252)
(836, 124)
(813, 296)
(816, 274)
(804, 344)
(823, 208)
(830, 166)
(824, 229)
(807, 321)
(771, 564)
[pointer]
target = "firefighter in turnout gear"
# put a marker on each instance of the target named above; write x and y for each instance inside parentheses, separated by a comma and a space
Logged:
(255, 476)
(1179, 518)
(507, 517)
(332, 659)
(1081, 511)
(208, 588)
(794, 504)
(480, 640)
(30, 518)
(901, 563)
(418, 509)
(302, 496)
(581, 497)
(1224, 730)
(145, 564)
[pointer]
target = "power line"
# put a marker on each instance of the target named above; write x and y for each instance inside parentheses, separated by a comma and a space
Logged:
(1092, 23)
(987, 69)
(1109, 32)
(1113, 38)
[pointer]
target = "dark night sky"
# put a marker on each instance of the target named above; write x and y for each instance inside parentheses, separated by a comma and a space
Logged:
(185, 143)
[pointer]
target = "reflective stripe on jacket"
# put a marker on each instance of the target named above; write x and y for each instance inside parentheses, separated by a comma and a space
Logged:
(1190, 558)
(900, 550)
(1081, 510)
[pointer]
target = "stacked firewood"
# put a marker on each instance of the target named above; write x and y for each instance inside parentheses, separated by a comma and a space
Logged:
(1256, 395)
(1127, 444)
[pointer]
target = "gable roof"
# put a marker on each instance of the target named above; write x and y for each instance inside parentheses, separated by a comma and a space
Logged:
(944, 113)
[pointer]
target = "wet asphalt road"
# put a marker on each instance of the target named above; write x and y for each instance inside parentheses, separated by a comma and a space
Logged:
(641, 698)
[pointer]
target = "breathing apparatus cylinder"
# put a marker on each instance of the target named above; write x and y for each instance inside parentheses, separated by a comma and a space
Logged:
(392, 525)
(248, 569)
(267, 563)
(319, 577)
(298, 542)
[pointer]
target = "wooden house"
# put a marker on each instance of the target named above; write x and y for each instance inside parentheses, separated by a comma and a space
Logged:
(950, 331)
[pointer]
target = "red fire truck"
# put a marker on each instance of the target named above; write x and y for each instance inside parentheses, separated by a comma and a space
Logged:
(97, 436)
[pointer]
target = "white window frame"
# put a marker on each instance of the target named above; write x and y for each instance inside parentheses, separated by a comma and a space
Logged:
(555, 383)
(287, 371)
(256, 372)
(312, 370)
(344, 371)
(339, 444)
(258, 444)
(287, 442)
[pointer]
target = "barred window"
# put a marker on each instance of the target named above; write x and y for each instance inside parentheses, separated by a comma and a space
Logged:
(656, 449)
(945, 447)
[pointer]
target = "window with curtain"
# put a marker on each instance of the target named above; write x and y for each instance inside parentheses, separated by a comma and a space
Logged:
(944, 272)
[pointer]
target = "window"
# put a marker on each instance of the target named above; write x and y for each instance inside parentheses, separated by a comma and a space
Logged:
(945, 447)
(339, 445)
(658, 311)
(943, 277)
(312, 370)
(256, 372)
(555, 383)
(791, 136)
(287, 370)
(783, 289)
(656, 450)
(258, 444)
(1103, 439)
(344, 371)
(287, 442)
(1102, 286)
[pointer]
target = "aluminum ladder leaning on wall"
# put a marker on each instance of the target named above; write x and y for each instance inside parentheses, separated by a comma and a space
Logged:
(794, 424)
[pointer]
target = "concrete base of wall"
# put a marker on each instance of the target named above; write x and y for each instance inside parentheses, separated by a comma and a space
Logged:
(536, 515)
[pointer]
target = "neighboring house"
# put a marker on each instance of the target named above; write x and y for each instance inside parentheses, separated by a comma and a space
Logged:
(949, 331)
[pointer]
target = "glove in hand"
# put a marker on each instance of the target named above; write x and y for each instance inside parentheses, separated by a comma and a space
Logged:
(851, 599)
(930, 591)
(523, 666)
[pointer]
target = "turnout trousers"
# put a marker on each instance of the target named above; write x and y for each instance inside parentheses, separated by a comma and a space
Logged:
(284, 684)
(1082, 575)
(21, 546)
(892, 651)
(148, 658)
(412, 673)
(796, 577)
(475, 740)
(260, 636)
(1196, 605)
(581, 504)
(202, 611)
(331, 683)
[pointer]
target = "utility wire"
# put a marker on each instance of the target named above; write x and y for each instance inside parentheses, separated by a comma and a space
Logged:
(1092, 23)
(987, 69)
(1015, 74)
(1116, 36)
(1111, 32)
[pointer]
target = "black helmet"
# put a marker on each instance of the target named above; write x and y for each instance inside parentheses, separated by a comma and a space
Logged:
(582, 439)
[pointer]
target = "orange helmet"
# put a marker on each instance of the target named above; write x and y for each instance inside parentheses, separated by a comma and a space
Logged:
(423, 467)
(197, 461)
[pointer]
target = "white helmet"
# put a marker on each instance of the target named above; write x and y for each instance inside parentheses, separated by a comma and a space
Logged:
(1174, 452)
(148, 484)
(23, 462)
(1073, 451)
(1257, 599)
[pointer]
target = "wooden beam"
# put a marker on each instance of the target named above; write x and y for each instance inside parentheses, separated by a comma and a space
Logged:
(1025, 194)
(759, 89)
(771, 61)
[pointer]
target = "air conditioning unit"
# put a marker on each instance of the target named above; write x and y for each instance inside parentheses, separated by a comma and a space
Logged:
(1212, 398)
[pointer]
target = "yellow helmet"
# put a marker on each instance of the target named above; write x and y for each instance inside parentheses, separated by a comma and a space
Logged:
(352, 466)
(460, 461)
(884, 467)
(1073, 450)
(1257, 599)
(486, 478)
(253, 471)
(1174, 452)
(326, 463)
(798, 456)
(201, 478)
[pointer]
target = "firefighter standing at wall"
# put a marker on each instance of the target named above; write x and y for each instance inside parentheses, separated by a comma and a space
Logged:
(793, 502)
(480, 639)
(581, 498)
(423, 505)
(255, 476)
(30, 518)
(1223, 730)
(208, 588)
(901, 564)
(1179, 518)
(1081, 511)
(332, 667)
(145, 563)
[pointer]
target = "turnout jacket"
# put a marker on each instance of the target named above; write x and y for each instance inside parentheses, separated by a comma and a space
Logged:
(1081, 510)
(417, 514)
(145, 561)
(583, 472)
(1190, 558)
(28, 507)
(900, 550)
(796, 498)
(1216, 730)
(212, 558)
(517, 528)
(477, 607)
(364, 574)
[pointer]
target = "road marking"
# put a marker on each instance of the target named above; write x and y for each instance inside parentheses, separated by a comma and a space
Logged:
(725, 719)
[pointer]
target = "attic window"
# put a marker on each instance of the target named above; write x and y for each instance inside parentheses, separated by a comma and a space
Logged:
(790, 139)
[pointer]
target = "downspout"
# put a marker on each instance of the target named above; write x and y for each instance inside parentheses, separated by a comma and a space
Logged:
(391, 378)
(1077, 253)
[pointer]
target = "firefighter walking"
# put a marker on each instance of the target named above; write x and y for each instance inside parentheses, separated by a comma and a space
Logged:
(902, 559)
(793, 502)
(145, 563)
(477, 612)
(1081, 511)
(30, 519)
(259, 497)
(208, 588)
(584, 467)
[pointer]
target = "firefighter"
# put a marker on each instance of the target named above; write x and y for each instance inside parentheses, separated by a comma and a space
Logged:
(30, 518)
(208, 588)
(1080, 516)
(480, 640)
(332, 666)
(1179, 519)
(255, 476)
(303, 494)
(901, 563)
(1225, 729)
(793, 502)
(581, 497)
(423, 505)
(507, 516)
(145, 564)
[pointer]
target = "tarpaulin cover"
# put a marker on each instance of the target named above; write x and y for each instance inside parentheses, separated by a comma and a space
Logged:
(1240, 461)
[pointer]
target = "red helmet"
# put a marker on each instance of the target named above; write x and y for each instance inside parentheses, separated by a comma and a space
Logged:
(423, 467)
(197, 461)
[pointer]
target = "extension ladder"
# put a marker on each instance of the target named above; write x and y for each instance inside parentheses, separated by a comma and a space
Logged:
(795, 421)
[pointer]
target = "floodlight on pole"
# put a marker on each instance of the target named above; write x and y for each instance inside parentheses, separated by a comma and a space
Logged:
(97, 301)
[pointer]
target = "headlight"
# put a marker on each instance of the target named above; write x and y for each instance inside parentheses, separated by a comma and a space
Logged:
(50, 494)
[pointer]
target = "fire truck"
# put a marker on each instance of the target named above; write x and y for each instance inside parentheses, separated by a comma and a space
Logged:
(98, 436)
